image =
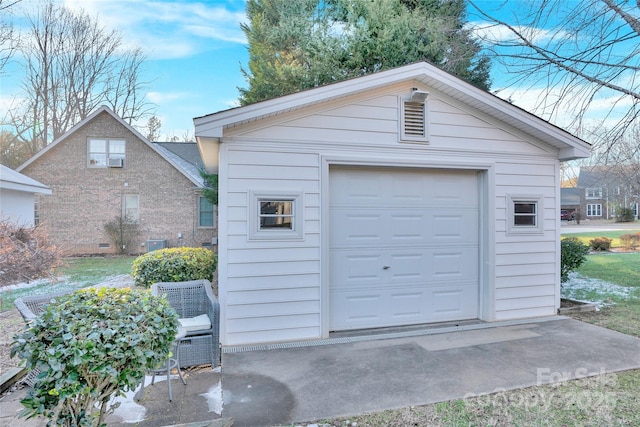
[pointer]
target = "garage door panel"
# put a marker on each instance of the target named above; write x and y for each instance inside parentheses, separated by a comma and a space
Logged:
(399, 227)
(409, 187)
(357, 309)
(393, 267)
(403, 247)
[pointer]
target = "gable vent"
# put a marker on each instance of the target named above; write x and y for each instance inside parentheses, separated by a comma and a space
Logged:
(414, 120)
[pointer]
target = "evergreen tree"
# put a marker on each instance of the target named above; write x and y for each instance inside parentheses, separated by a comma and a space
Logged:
(307, 43)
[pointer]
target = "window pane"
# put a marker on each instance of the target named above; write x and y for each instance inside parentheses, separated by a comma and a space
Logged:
(130, 209)
(276, 214)
(206, 213)
(525, 208)
(524, 220)
(97, 146)
(116, 147)
(97, 159)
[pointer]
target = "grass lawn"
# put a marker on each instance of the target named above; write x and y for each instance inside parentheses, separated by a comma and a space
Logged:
(615, 235)
(75, 273)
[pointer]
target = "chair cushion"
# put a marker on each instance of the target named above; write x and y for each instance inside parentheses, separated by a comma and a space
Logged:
(197, 323)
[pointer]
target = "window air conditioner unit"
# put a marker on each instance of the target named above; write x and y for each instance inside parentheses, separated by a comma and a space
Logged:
(116, 163)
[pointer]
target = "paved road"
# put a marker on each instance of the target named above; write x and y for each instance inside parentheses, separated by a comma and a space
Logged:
(591, 226)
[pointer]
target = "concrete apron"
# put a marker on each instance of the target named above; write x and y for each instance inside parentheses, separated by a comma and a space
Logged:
(313, 382)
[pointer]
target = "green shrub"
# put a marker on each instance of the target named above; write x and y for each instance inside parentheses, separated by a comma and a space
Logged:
(90, 345)
(573, 254)
(630, 241)
(600, 244)
(624, 214)
(173, 265)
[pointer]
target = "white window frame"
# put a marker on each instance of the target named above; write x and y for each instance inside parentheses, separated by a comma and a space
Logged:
(538, 216)
(108, 151)
(416, 139)
(213, 225)
(125, 207)
(594, 206)
(297, 230)
(593, 193)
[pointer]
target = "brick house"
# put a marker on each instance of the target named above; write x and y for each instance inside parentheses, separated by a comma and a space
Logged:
(103, 169)
(605, 189)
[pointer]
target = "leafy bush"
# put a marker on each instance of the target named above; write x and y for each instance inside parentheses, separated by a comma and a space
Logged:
(25, 253)
(90, 345)
(573, 254)
(630, 241)
(624, 214)
(122, 234)
(600, 244)
(173, 265)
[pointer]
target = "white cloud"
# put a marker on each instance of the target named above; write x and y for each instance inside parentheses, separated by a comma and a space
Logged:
(168, 29)
(494, 33)
(162, 97)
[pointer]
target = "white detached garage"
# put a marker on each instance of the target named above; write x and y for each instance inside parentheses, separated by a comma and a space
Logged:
(400, 198)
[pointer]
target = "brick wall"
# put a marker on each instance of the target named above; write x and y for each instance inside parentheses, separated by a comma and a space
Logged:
(84, 198)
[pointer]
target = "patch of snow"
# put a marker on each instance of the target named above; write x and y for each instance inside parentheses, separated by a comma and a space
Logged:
(128, 410)
(34, 283)
(578, 285)
(214, 398)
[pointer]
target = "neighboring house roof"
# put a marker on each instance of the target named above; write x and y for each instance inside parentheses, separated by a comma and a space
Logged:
(570, 196)
(185, 155)
(12, 180)
(607, 176)
(212, 126)
(104, 109)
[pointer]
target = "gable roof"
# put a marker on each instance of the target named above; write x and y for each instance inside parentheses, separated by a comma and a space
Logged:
(12, 180)
(212, 126)
(607, 176)
(104, 109)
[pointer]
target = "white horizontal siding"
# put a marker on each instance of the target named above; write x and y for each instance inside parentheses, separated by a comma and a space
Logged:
(273, 289)
(526, 265)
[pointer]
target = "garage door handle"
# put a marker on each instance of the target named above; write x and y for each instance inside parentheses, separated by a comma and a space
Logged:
(386, 267)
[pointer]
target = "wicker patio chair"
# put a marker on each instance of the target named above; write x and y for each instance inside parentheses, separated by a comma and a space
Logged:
(30, 307)
(199, 313)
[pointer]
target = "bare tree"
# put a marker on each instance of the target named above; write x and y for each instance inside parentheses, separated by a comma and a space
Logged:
(153, 128)
(580, 55)
(8, 38)
(72, 66)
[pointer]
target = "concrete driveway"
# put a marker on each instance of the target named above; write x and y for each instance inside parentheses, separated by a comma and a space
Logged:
(280, 386)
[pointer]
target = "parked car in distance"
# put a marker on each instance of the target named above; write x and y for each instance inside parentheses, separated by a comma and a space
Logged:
(567, 215)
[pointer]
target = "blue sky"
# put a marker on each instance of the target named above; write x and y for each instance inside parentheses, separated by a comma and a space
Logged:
(195, 51)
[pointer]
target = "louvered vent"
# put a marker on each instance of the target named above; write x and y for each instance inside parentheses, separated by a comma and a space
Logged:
(414, 125)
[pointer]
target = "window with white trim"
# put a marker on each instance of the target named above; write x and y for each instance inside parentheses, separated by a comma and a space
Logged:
(524, 214)
(103, 153)
(413, 121)
(275, 215)
(130, 208)
(594, 209)
(593, 193)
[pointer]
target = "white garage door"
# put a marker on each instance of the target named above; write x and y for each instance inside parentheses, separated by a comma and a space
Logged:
(403, 247)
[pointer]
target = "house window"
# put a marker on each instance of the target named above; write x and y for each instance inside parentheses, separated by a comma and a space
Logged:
(524, 214)
(593, 193)
(413, 120)
(130, 208)
(106, 153)
(206, 217)
(36, 211)
(594, 209)
(275, 215)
